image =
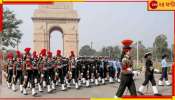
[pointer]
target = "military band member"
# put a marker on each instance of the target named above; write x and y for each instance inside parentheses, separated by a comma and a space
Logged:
(18, 71)
(149, 75)
(126, 74)
(28, 72)
(164, 71)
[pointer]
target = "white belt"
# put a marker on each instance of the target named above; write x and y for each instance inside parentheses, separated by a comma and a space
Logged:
(10, 68)
(73, 66)
(44, 68)
(19, 68)
(28, 68)
(35, 68)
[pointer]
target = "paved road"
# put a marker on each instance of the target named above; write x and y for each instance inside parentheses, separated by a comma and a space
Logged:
(107, 90)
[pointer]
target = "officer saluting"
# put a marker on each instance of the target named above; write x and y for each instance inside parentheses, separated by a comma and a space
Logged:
(149, 75)
(126, 74)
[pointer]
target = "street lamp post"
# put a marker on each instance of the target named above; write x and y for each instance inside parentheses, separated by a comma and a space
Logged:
(137, 53)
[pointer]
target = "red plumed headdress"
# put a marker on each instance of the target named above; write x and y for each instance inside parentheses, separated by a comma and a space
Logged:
(43, 52)
(127, 43)
(18, 54)
(49, 54)
(27, 50)
(58, 52)
(10, 55)
(34, 54)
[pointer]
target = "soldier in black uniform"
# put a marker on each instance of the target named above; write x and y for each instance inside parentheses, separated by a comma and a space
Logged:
(18, 71)
(28, 72)
(87, 72)
(59, 69)
(73, 69)
(126, 74)
(36, 70)
(106, 67)
(45, 70)
(83, 70)
(102, 70)
(65, 70)
(79, 70)
(10, 69)
(51, 71)
(149, 75)
(95, 69)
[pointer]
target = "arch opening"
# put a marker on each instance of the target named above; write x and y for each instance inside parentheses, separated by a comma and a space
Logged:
(56, 40)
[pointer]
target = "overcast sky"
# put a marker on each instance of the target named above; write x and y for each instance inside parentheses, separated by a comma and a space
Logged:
(105, 24)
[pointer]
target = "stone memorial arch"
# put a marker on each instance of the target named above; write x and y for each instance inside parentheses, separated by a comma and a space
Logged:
(60, 17)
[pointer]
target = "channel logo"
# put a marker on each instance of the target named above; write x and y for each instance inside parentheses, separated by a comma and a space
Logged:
(153, 4)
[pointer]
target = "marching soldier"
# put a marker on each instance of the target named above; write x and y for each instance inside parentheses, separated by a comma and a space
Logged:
(111, 65)
(18, 71)
(45, 71)
(102, 70)
(106, 67)
(126, 74)
(79, 70)
(118, 70)
(35, 66)
(83, 70)
(87, 72)
(73, 70)
(95, 69)
(28, 72)
(36, 70)
(149, 75)
(164, 71)
(10, 69)
(51, 71)
(66, 71)
(59, 69)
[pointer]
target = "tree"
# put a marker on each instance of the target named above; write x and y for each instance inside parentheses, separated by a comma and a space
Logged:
(117, 52)
(141, 50)
(111, 51)
(160, 46)
(87, 51)
(11, 34)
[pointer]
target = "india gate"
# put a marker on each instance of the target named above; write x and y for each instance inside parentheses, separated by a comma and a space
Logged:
(56, 17)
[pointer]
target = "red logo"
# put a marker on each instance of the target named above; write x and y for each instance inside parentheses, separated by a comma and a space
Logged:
(153, 4)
